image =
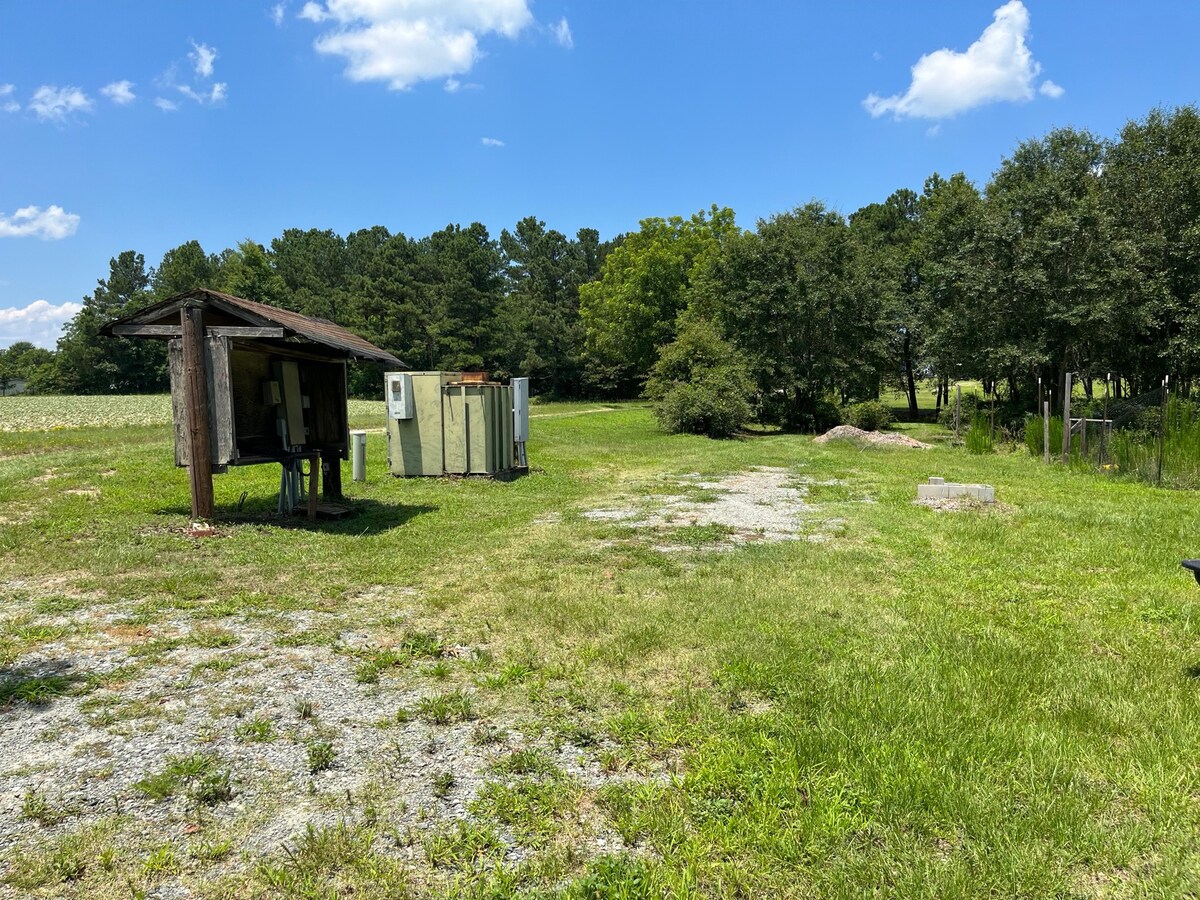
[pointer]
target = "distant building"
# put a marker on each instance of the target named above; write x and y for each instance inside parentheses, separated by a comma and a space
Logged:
(11, 387)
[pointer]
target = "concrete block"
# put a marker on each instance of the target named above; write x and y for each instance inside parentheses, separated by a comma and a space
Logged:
(939, 489)
(933, 479)
(982, 492)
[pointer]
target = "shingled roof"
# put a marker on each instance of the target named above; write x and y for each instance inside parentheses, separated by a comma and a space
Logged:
(297, 328)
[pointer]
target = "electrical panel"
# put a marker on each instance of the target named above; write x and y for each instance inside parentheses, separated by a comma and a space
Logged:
(520, 393)
(399, 395)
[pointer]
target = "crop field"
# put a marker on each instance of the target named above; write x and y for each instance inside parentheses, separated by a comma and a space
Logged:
(33, 413)
(656, 666)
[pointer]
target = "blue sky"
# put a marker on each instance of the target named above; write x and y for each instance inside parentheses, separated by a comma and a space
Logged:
(140, 125)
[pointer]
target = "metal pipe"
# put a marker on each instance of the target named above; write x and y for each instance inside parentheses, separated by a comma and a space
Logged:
(358, 455)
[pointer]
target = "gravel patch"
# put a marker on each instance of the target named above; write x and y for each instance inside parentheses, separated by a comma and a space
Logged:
(763, 505)
(963, 504)
(82, 755)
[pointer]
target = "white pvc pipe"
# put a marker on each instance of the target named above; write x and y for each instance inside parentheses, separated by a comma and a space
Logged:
(358, 455)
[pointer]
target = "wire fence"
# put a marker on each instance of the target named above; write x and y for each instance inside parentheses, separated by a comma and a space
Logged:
(1153, 437)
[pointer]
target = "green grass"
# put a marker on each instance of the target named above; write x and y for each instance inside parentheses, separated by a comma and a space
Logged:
(200, 772)
(442, 709)
(321, 756)
(927, 704)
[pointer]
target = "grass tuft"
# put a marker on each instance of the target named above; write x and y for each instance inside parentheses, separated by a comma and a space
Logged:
(444, 709)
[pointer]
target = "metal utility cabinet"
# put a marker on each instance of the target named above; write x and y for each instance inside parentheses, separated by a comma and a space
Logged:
(449, 423)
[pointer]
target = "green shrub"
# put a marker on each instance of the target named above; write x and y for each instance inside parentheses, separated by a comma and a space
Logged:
(1033, 435)
(700, 384)
(869, 416)
(1035, 432)
(979, 437)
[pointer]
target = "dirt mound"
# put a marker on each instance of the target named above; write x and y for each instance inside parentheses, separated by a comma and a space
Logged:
(874, 438)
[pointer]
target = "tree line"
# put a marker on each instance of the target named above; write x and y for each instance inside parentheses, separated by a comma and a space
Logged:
(457, 300)
(1080, 254)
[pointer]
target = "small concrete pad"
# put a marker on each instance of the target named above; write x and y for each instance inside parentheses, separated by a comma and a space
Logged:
(939, 489)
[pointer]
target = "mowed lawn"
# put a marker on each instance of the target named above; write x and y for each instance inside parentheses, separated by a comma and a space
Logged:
(470, 688)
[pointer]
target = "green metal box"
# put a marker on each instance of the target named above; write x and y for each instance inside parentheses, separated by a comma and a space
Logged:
(441, 424)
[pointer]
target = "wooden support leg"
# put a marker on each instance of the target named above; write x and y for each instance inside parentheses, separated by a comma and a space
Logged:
(331, 470)
(195, 378)
(314, 466)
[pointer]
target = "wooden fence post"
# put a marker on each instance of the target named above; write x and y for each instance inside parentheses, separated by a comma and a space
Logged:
(1104, 424)
(1162, 427)
(1046, 432)
(195, 379)
(1066, 448)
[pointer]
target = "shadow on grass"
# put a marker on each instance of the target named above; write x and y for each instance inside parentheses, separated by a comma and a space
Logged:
(365, 517)
(36, 687)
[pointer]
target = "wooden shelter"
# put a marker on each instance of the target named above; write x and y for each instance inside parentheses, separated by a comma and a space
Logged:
(252, 383)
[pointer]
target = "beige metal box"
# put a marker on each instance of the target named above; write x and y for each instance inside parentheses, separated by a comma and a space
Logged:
(447, 423)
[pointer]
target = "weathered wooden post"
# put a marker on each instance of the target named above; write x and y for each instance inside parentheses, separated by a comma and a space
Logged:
(314, 466)
(1162, 426)
(1066, 448)
(331, 473)
(1046, 432)
(1104, 424)
(195, 379)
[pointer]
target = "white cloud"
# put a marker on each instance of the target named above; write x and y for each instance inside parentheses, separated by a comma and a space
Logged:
(453, 86)
(404, 42)
(203, 57)
(50, 224)
(119, 92)
(1051, 90)
(997, 67)
(7, 103)
(277, 13)
(215, 94)
(314, 12)
(562, 33)
(55, 104)
(200, 89)
(492, 142)
(40, 323)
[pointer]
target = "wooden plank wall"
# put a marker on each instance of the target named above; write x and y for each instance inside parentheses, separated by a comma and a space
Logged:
(220, 402)
(178, 408)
